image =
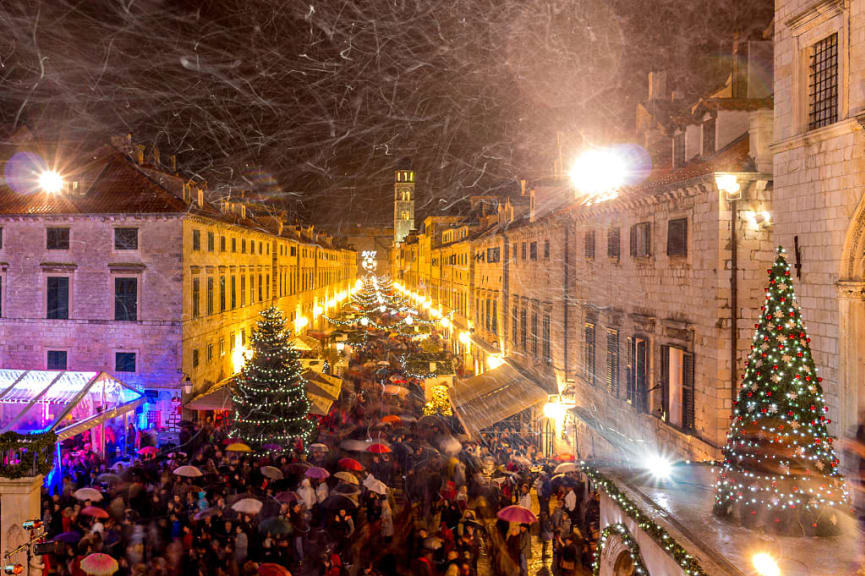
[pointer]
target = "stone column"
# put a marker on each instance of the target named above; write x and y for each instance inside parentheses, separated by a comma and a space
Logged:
(19, 502)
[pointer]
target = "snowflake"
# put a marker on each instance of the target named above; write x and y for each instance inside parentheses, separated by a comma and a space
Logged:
(786, 358)
(759, 362)
(812, 389)
(782, 286)
(782, 338)
(806, 368)
(773, 408)
(792, 395)
(754, 386)
(789, 325)
(770, 326)
(750, 406)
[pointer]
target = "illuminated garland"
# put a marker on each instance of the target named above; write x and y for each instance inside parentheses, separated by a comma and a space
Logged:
(779, 462)
(689, 564)
(622, 531)
(26, 454)
(439, 403)
(270, 403)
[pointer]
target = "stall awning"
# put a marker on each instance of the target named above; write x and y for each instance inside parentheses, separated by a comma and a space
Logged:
(217, 397)
(483, 400)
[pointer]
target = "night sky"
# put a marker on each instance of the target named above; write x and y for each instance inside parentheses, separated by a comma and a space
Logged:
(316, 103)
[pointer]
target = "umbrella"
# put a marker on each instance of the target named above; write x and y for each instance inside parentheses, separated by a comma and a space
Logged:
(318, 446)
(206, 513)
(188, 472)
(298, 467)
(286, 497)
(350, 464)
(432, 543)
(271, 569)
(108, 478)
(378, 448)
(450, 445)
(375, 485)
(88, 494)
(354, 445)
(99, 564)
(565, 457)
(94, 511)
(336, 502)
(247, 506)
(275, 525)
(238, 447)
(346, 489)
(565, 467)
(272, 447)
(148, 451)
(317, 473)
(517, 514)
(391, 419)
(67, 537)
(347, 477)
(272, 472)
(394, 390)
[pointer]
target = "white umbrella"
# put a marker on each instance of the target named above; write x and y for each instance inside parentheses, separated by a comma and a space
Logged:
(450, 446)
(271, 472)
(354, 445)
(247, 506)
(188, 472)
(375, 485)
(566, 467)
(91, 494)
(320, 447)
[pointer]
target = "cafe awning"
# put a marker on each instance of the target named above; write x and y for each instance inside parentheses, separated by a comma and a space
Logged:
(486, 399)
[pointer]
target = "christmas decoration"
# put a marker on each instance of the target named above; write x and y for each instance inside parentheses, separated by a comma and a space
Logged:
(270, 404)
(780, 469)
(439, 402)
(622, 531)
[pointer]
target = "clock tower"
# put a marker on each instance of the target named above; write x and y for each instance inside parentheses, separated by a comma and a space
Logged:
(403, 205)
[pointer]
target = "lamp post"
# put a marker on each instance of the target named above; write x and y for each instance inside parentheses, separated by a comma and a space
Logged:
(728, 184)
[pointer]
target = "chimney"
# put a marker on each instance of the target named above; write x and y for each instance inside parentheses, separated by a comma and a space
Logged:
(658, 86)
(139, 154)
(173, 160)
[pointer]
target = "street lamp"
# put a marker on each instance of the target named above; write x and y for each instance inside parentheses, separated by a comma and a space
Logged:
(50, 181)
(599, 173)
(765, 565)
(187, 386)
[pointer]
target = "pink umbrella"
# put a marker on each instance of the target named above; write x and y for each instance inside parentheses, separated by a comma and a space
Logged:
(148, 451)
(95, 512)
(517, 514)
(317, 473)
(99, 564)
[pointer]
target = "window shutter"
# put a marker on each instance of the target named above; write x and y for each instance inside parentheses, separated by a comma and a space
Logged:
(629, 370)
(665, 382)
(634, 240)
(613, 362)
(688, 400)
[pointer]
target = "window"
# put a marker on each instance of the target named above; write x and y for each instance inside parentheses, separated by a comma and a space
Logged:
(523, 250)
(57, 239)
(222, 243)
(293, 250)
(124, 361)
(534, 334)
(636, 373)
(613, 362)
(590, 244)
(221, 347)
(222, 293)
(126, 238)
(708, 137)
(677, 387)
(823, 83)
(57, 298)
(252, 289)
(242, 290)
(231, 341)
(267, 287)
(233, 292)
(196, 297)
(234, 244)
(679, 150)
(533, 251)
(545, 339)
(260, 287)
(196, 240)
(493, 254)
(589, 352)
(613, 243)
(209, 353)
(195, 358)
(494, 319)
(209, 296)
(523, 329)
(211, 242)
(126, 299)
(1, 238)
(546, 249)
(1, 296)
(677, 237)
(55, 360)
(487, 315)
(514, 324)
(641, 240)
(243, 246)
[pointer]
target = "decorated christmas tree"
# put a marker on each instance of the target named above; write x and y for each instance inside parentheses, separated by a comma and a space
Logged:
(270, 404)
(438, 402)
(780, 469)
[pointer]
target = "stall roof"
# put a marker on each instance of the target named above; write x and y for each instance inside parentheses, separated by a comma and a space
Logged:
(64, 401)
(217, 397)
(483, 400)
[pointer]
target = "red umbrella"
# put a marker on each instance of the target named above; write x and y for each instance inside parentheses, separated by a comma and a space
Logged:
(565, 457)
(94, 511)
(271, 569)
(391, 419)
(350, 464)
(517, 514)
(99, 564)
(378, 449)
(148, 451)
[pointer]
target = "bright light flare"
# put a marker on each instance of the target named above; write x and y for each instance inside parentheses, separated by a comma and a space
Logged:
(494, 361)
(660, 467)
(445, 323)
(51, 181)
(465, 338)
(599, 173)
(728, 184)
(765, 565)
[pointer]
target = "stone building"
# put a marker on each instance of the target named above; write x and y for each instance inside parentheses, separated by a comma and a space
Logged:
(132, 270)
(819, 171)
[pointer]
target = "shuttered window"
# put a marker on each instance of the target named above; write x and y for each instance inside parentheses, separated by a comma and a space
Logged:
(641, 240)
(677, 387)
(514, 323)
(548, 353)
(589, 352)
(534, 334)
(613, 362)
(590, 244)
(688, 400)
(677, 237)
(523, 329)
(636, 373)
(613, 243)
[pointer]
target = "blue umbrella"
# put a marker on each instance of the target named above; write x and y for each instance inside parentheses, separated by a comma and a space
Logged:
(67, 537)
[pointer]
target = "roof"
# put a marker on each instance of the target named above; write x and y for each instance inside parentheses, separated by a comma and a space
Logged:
(732, 104)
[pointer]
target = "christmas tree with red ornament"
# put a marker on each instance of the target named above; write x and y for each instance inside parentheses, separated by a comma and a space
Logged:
(780, 470)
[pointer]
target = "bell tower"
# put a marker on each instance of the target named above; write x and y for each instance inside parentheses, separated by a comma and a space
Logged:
(403, 205)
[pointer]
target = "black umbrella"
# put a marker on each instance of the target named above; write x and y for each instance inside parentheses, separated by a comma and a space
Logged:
(336, 502)
(275, 525)
(346, 489)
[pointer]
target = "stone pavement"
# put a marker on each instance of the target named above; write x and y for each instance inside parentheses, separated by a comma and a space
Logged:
(538, 565)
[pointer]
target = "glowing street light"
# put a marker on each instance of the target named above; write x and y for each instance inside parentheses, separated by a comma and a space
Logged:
(445, 323)
(465, 338)
(51, 181)
(659, 466)
(765, 565)
(494, 361)
(599, 173)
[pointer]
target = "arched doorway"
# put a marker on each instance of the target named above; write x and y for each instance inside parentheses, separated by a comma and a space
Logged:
(620, 555)
(851, 342)
(624, 565)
